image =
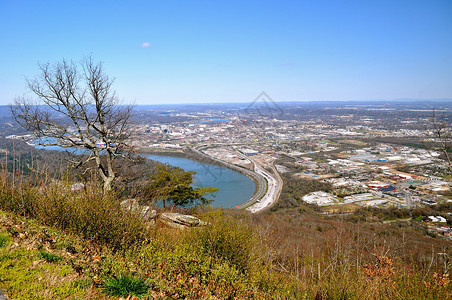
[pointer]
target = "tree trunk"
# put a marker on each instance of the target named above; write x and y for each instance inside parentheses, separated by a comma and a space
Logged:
(107, 175)
(110, 172)
(107, 183)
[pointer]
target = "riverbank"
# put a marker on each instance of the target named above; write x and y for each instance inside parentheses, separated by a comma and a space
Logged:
(259, 181)
(185, 153)
(196, 155)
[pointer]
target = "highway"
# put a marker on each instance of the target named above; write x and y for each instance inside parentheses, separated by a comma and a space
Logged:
(268, 185)
(259, 180)
(273, 188)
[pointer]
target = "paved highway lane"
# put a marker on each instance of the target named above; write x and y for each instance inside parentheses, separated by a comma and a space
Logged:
(268, 185)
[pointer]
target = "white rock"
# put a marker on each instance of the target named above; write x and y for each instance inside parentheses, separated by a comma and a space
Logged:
(144, 211)
(181, 221)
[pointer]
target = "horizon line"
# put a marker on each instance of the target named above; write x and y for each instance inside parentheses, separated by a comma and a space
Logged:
(305, 101)
(297, 101)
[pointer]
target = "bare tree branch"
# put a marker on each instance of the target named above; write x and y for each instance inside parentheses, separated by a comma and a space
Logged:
(75, 106)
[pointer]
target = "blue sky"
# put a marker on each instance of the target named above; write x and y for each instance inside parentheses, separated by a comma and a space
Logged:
(230, 51)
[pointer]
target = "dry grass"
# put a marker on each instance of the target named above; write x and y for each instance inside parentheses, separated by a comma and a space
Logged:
(88, 212)
(281, 255)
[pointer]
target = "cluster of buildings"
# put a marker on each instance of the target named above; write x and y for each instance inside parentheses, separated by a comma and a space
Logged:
(347, 150)
(340, 151)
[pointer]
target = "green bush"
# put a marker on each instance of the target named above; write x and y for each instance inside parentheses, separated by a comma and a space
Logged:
(3, 240)
(125, 286)
(49, 257)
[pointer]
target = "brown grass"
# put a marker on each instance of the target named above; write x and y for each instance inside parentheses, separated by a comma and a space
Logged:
(287, 254)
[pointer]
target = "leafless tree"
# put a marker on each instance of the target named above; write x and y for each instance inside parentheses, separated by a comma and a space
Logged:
(74, 105)
(440, 137)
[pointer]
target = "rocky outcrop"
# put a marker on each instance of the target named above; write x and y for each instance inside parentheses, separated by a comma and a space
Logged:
(181, 221)
(144, 211)
(174, 220)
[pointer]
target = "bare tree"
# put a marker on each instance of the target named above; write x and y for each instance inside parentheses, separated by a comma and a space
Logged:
(74, 106)
(440, 137)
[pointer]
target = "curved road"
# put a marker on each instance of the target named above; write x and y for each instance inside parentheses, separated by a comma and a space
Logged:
(274, 187)
(268, 185)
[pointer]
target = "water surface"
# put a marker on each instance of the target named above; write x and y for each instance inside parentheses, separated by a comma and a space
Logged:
(235, 188)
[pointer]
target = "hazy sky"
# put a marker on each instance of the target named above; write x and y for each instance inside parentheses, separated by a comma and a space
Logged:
(229, 51)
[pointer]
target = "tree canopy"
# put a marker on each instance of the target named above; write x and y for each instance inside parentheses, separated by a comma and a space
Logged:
(175, 184)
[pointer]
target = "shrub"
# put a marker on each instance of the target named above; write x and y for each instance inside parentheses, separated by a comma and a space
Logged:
(225, 240)
(90, 213)
(49, 257)
(125, 286)
(3, 240)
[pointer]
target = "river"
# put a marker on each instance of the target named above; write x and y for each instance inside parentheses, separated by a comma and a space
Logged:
(235, 188)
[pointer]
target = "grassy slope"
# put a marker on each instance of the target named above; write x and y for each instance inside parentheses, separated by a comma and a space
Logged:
(229, 259)
(39, 262)
(292, 253)
(35, 262)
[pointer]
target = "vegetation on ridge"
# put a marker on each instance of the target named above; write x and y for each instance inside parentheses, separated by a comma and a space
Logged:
(98, 249)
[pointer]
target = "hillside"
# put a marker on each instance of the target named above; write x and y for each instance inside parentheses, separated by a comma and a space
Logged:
(57, 242)
(237, 256)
